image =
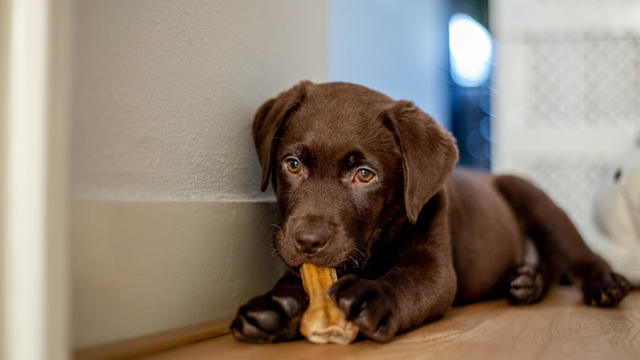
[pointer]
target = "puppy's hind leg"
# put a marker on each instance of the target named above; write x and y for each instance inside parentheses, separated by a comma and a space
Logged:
(529, 282)
(560, 243)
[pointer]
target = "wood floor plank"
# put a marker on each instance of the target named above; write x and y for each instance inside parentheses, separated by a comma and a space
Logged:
(560, 327)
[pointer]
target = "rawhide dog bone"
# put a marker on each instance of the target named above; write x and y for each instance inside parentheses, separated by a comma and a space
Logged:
(323, 322)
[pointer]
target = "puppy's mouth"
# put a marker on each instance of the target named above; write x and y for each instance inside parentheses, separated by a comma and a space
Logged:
(343, 254)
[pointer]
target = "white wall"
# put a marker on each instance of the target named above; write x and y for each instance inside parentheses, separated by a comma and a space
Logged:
(166, 91)
(169, 227)
(398, 48)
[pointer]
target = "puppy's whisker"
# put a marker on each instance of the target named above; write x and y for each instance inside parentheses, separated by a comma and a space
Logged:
(276, 226)
(355, 262)
(359, 251)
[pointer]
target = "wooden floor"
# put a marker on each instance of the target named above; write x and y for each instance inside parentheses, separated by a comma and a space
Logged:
(560, 327)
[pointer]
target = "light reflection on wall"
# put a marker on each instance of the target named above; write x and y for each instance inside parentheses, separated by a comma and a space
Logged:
(470, 49)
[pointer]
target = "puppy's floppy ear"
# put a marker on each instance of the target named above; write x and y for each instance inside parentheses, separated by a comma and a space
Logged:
(428, 154)
(268, 122)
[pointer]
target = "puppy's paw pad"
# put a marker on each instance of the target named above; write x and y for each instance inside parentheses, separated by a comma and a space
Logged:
(268, 318)
(245, 330)
(526, 286)
(366, 304)
(605, 289)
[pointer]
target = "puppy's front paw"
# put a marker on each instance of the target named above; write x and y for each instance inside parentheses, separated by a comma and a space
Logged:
(367, 304)
(605, 288)
(269, 318)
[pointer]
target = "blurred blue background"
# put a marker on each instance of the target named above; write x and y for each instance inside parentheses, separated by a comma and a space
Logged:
(435, 53)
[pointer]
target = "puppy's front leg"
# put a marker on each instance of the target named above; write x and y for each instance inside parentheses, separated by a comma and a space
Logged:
(274, 316)
(419, 286)
(399, 300)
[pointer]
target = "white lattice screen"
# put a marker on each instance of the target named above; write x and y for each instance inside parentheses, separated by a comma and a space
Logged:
(583, 79)
(566, 93)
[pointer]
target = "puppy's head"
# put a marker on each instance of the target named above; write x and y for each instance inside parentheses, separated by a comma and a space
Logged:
(346, 162)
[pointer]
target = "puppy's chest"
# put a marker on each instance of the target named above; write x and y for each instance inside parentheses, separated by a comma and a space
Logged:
(384, 255)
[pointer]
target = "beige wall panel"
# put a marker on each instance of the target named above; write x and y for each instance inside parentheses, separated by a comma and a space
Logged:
(144, 267)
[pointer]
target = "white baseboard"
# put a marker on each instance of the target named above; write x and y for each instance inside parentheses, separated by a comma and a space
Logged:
(144, 267)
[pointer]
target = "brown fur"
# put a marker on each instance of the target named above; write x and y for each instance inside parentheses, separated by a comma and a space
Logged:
(418, 238)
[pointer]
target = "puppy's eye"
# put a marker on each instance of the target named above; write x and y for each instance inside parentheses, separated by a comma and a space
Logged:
(364, 175)
(293, 165)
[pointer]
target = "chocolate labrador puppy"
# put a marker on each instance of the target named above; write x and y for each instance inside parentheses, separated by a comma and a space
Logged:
(366, 184)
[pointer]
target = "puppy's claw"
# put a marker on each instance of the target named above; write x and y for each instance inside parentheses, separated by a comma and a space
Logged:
(522, 281)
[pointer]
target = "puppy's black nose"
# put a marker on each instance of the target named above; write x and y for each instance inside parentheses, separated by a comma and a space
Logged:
(311, 239)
